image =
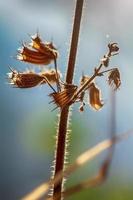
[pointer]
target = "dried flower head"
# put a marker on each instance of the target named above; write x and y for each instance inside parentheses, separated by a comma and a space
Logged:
(30, 79)
(31, 56)
(38, 52)
(114, 78)
(95, 97)
(113, 49)
(62, 98)
(24, 79)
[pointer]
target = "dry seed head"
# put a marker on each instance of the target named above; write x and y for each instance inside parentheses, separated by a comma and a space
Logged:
(38, 52)
(31, 56)
(95, 97)
(114, 78)
(113, 48)
(24, 79)
(62, 98)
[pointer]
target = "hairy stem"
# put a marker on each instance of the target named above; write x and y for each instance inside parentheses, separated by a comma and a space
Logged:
(63, 122)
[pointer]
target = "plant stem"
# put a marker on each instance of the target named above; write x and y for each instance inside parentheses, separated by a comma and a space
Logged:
(63, 122)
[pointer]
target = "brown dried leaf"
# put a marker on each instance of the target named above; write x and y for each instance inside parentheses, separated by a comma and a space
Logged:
(95, 97)
(114, 78)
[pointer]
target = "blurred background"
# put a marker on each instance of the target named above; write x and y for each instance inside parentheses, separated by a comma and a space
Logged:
(27, 125)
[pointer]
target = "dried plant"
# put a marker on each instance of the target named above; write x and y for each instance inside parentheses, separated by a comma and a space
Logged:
(66, 93)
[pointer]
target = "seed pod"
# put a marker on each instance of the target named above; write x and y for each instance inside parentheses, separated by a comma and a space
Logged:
(113, 49)
(24, 79)
(34, 57)
(62, 98)
(31, 79)
(95, 97)
(38, 52)
(114, 79)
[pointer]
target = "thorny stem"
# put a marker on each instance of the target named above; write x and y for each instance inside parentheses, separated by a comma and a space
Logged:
(102, 174)
(63, 122)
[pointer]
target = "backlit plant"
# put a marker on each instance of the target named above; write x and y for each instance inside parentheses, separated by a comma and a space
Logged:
(63, 92)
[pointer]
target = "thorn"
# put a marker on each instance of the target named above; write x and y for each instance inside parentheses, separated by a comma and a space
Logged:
(11, 69)
(54, 108)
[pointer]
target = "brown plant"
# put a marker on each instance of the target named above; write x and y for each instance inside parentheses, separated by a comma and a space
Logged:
(66, 94)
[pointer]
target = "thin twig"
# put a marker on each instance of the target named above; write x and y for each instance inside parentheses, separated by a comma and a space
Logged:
(95, 74)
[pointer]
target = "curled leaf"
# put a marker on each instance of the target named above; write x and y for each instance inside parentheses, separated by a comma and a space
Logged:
(95, 97)
(114, 78)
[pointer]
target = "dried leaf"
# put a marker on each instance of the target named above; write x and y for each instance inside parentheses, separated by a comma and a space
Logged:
(114, 78)
(95, 97)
